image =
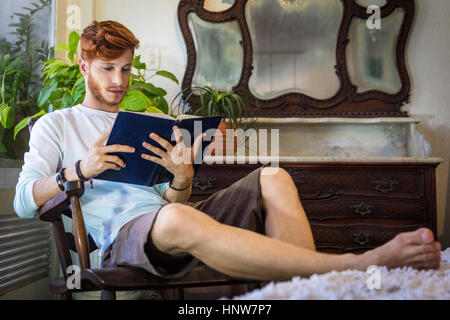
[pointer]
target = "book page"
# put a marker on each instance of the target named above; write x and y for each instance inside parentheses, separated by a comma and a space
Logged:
(151, 114)
(186, 116)
(165, 116)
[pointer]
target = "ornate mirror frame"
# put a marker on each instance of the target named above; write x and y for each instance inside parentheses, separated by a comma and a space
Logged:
(347, 102)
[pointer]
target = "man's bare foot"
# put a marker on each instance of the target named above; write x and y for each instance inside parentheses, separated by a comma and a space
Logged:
(415, 249)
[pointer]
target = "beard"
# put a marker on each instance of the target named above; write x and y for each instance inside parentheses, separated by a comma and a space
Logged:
(95, 89)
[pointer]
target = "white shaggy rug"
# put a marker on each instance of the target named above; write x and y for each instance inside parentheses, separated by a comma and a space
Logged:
(396, 284)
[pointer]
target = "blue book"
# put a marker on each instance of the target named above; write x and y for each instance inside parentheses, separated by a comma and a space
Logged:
(132, 129)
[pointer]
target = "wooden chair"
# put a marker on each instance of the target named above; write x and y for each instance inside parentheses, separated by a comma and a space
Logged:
(110, 280)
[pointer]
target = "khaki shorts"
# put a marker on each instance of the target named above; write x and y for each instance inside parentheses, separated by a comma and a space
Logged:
(238, 205)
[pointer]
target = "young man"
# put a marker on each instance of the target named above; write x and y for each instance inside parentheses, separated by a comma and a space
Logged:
(254, 229)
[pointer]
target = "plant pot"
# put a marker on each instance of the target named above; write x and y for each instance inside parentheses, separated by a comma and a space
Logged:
(220, 146)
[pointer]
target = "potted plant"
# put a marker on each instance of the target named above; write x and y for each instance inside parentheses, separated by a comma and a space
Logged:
(206, 101)
(20, 63)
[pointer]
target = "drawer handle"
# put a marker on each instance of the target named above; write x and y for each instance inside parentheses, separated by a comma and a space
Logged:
(363, 209)
(361, 238)
(384, 186)
(204, 183)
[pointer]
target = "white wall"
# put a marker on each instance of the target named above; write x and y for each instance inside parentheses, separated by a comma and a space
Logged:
(155, 23)
(429, 64)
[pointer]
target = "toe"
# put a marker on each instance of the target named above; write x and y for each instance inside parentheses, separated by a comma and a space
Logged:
(426, 261)
(426, 235)
(437, 246)
(424, 249)
(420, 236)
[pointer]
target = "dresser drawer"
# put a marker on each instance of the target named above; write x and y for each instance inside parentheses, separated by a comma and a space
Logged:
(355, 237)
(316, 183)
(363, 208)
(211, 179)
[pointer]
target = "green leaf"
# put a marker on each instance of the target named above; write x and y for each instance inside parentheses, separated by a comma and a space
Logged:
(78, 91)
(56, 94)
(167, 75)
(46, 63)
(56, 71)
(57, 105)
(74, 38)
(24, 123)
(62, 47)
(67, 100)
(153, 109)
(79, 83)
(137, 78)
(45, 94)
(161, 104)
(137, 64)
(135, 101)
(16, 84)
(53, 68)
(71, 56)
(6, 116)
(13, 66)
(73, 71)
(150, 88)
(5, 60)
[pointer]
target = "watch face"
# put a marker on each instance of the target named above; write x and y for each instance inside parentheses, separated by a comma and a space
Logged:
(58, 180)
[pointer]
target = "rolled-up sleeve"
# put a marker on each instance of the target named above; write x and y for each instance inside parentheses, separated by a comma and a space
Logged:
(161, 188)
(24, 204)
(42, 160)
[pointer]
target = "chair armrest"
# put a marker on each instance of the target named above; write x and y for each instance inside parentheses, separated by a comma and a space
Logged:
(75, 190)
(52, 209)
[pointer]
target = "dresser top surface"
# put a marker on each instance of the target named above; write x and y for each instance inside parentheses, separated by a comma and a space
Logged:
(283, 159)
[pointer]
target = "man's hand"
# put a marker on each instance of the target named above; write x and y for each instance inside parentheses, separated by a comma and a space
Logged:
(98, 160)
(176, 159)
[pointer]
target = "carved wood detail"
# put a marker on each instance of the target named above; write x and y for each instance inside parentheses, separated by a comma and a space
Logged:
(345, 103)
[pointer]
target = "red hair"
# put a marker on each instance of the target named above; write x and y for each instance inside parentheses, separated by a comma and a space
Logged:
(107, 40)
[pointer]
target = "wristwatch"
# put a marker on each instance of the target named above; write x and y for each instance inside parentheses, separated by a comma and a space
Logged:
(61, 179)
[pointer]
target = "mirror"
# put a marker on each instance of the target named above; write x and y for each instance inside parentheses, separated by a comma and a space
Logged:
(367, 3)
(371, 54)
(294, 47)
(219, 54)
(294, 58)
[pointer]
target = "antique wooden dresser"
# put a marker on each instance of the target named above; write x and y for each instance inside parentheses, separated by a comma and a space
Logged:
(352, 207)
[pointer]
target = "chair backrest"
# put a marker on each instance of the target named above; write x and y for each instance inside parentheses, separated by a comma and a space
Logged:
(31, 123)
(92, 246)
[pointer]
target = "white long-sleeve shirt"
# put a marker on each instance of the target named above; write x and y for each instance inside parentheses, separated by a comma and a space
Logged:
(58, 140)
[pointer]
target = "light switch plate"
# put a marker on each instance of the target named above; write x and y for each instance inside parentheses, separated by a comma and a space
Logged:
(152, 57)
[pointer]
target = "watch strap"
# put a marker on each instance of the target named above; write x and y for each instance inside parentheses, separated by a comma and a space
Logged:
(61, 179)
